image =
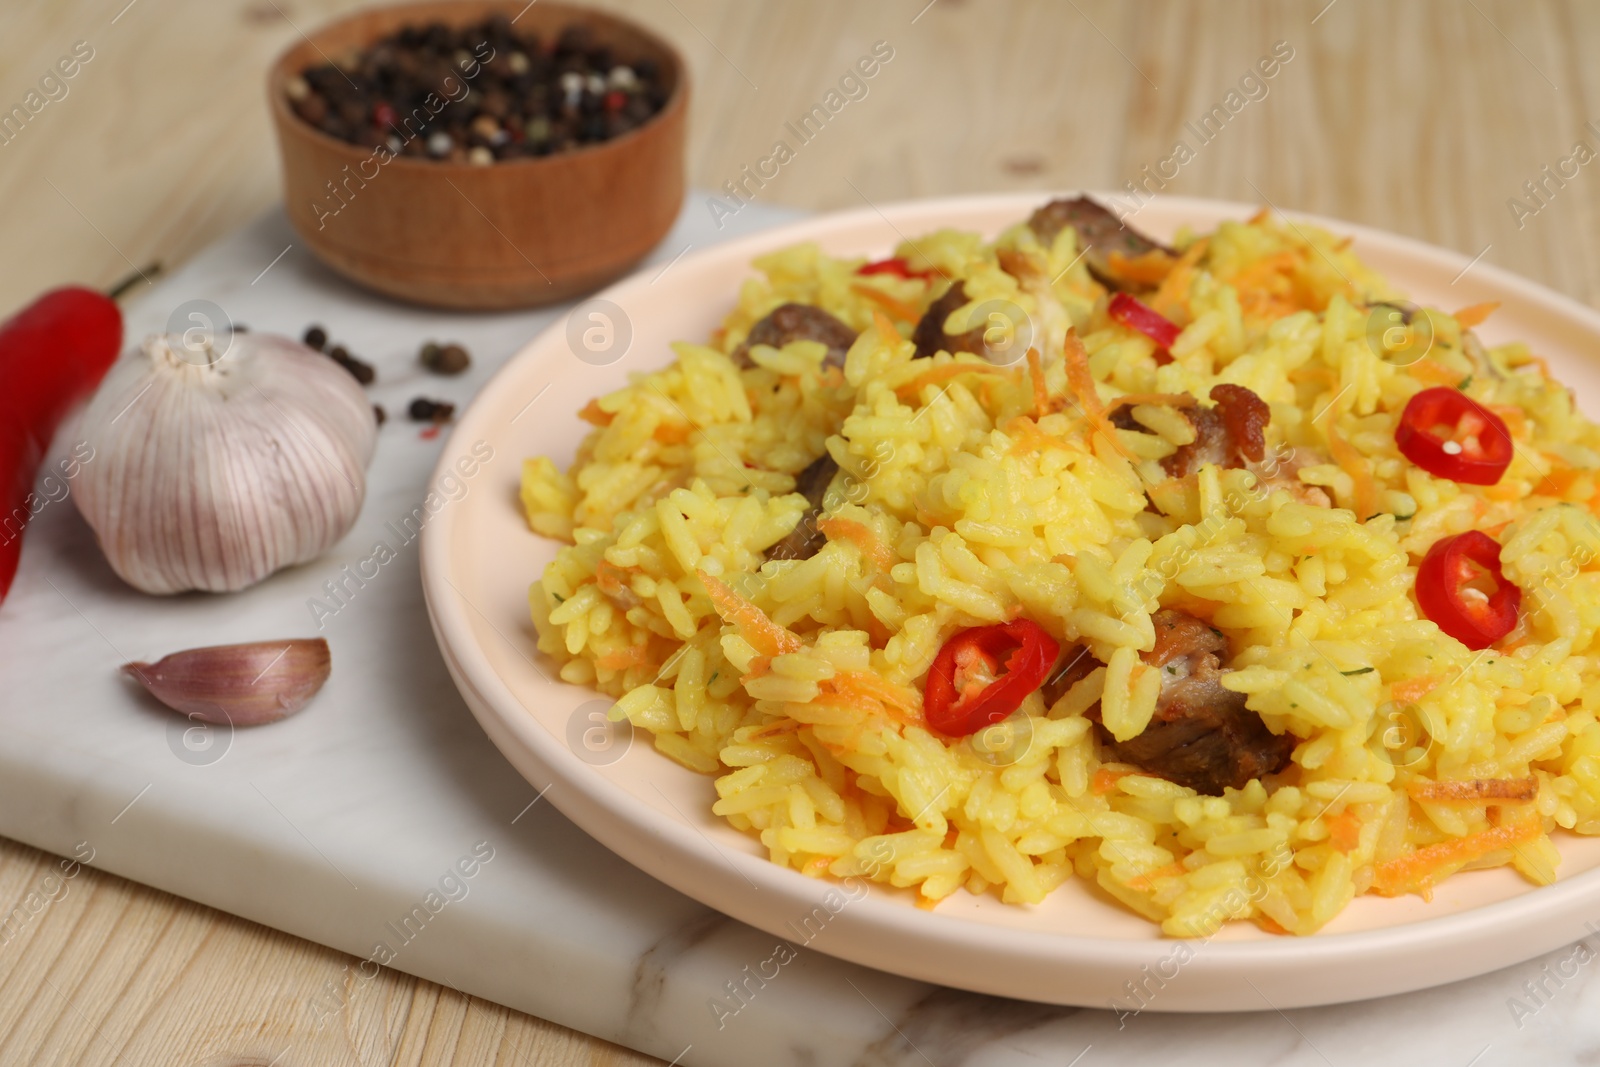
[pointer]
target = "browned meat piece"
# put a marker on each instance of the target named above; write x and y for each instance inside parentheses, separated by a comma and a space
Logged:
(805, 539)
(1282, 471)
(1074, 665)
(1202, 735)
(1244, 416)
(929, 336)
(1100, 233)
(1228, 435)
(1406, 308)
(798, 322)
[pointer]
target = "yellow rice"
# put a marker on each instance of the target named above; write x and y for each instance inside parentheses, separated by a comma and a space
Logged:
(821, 751)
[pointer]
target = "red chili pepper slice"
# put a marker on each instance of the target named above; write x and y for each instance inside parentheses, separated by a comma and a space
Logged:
(1461, 588)
(982, 675)
(1137, 315)
(1451, 435)
(52, 355)
(895, 265)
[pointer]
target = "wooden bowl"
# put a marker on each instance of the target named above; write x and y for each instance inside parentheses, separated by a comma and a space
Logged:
(512, 234)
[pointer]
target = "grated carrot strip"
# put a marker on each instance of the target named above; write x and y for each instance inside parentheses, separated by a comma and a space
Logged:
(1104, 780)
(764, 635)
(1081, 380)
(887, 692)
(872, 695)
(936, 375)
(1148, 268)
(671, 433)
(898, 308)
(1435, 373)
(1344, 831)
(886, 331)
(1264, 287)
(1420, 869)
(1029, 437)
(610, 577)
(1351, 462)
(1041, 395)
(1516, 419)
(862, 536)
(1562, 475)
(1172, 298)
(1472, 316)
(1316, 372)
(592, 414)
(632, 656)
(1504, 492)
(1472, 790)
(1413, 689)
(1266, 270)
(1260, 216)
(759, 666)
(1147, 881)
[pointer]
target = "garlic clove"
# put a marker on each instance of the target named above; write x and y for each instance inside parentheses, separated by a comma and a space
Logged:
(241, 685)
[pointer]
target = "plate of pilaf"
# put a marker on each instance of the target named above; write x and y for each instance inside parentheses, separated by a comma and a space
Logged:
(1035, 596)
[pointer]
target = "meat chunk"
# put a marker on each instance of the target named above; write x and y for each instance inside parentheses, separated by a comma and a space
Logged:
(1282, 471)
(1405, 309)
(1228, 435)
(1075, 665)
(798, 322)
(1202, 735)
(929, 336)
(1100, 233)
(805, 540)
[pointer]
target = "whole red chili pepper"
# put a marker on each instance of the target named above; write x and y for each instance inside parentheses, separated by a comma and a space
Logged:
(1450, 590)
(970, 687)
(895, 265)
(1450, 435)
(52, 355)
(1137, 315)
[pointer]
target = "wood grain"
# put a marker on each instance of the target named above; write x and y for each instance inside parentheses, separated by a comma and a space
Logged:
(1424, 118)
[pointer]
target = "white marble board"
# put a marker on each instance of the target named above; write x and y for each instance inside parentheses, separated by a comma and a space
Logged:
(336, 824)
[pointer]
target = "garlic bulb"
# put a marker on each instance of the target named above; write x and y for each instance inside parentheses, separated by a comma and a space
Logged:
(212, 470)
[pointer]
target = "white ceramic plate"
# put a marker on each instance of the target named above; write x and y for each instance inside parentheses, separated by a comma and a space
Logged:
(478, 559)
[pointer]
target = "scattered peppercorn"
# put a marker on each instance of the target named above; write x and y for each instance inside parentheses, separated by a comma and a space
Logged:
(360, 370)
(524, 96)
(316, 337)
(378, 413)
(436, 411)
(444, 359)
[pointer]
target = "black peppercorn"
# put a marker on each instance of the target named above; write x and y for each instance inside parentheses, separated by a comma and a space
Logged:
(516, 85)
(444, 359)
(424, 410)
(361, 371)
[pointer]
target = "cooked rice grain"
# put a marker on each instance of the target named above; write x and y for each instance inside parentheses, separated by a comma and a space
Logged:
(958, 505)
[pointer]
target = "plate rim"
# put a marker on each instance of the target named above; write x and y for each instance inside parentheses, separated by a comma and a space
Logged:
(857, 933)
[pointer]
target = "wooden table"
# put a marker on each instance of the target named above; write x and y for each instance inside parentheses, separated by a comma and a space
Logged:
(1425, 119)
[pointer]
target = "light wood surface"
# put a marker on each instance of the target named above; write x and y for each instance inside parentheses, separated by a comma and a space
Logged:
(1422, 118)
